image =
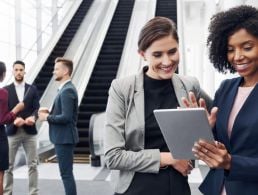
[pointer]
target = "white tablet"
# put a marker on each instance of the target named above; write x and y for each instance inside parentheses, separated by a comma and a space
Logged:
(181, 128)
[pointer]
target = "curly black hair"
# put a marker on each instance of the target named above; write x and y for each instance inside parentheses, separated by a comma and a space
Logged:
(223, 25)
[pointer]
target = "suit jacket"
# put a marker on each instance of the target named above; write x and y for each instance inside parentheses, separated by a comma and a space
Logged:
(31, 101)
(63, 117)
(242, 179)
(125, 127)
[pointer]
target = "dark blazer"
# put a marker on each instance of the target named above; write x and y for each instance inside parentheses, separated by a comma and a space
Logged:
(63, 116)
(31, 101)
(242, 179)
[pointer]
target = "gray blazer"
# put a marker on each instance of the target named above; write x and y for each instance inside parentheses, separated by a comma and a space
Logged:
(125, 127)
(63, 117)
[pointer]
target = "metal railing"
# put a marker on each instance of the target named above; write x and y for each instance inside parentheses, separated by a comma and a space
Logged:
(143, 10)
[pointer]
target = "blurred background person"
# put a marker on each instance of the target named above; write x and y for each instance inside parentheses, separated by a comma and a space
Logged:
(6, 116)
(62, 121)
(22, 132)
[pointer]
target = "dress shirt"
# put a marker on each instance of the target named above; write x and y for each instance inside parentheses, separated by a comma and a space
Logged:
(20, 89)
(61, 86)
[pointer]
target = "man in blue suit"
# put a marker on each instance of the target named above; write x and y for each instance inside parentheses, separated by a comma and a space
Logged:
(62, 122)
(22, 132)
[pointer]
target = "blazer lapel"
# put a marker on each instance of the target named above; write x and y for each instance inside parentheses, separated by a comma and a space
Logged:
(26, 91)
(139, 99)
(226, 110)
(13, 93)
(58, 95)
(248, 107)
(179, 88)
(26, 88)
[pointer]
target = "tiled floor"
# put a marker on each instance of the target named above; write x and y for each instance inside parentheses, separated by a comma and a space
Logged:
(90, 180)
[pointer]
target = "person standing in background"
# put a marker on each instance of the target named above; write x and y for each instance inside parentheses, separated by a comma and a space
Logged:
(62, 121)
(6, 117)
(22, 132)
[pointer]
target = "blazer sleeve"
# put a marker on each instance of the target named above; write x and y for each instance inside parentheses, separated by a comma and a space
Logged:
(116, 154)
(68, 100)
(5, 116)
(243, 168)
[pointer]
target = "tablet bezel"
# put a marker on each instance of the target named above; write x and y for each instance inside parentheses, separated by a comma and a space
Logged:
(181, 128)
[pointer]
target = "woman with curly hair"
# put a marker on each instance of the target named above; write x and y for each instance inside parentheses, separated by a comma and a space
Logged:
(233, 158)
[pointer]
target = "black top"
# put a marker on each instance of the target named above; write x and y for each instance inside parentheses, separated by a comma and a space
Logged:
(158, 94)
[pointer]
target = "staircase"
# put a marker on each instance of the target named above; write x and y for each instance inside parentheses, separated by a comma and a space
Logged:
(167, 8)
(96, 93)
(45, 73)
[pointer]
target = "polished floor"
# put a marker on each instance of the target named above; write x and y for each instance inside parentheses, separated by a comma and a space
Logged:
(90, 180)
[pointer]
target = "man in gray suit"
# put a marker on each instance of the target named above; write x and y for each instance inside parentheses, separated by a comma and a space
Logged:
(62, 122)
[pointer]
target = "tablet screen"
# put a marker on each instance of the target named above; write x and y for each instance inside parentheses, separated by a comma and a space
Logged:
(181, 128)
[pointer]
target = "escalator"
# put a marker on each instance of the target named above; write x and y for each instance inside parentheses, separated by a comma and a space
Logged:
(105, 70)
(45, 73)
(167, 8)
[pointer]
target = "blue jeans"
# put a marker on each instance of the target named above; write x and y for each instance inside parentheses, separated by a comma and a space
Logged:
(64, 154)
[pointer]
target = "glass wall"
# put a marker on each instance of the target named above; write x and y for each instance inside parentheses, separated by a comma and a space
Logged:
(7, 33)
(27, 27)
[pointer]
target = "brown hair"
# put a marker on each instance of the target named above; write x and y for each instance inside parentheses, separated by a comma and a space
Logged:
(155, 29)
(19, 62)
(67, 63)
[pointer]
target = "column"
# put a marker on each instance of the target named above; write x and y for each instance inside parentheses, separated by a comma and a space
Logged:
(54, 16)
(18, 22)
(39, 25)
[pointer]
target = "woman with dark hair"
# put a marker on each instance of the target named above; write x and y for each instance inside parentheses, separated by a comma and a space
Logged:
(5, 117)
(134, 147)
(233, 158)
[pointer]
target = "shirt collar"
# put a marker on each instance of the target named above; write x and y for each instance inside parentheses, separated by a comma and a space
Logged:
(62, 85)
(16, 84)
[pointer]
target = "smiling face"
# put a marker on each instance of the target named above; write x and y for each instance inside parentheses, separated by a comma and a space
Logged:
(162, 57)
(60, 71)
(242, 54)
(18, 72)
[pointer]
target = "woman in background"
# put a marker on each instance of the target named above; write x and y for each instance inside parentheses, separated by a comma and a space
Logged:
(134, 146)
(233, 159)
(5, 117)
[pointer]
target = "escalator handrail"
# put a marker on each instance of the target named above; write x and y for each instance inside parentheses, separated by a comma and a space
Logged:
(41, 59)
(127, 61)
(89, 55)
(144, 9)
(91, 135)
(79, 76)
